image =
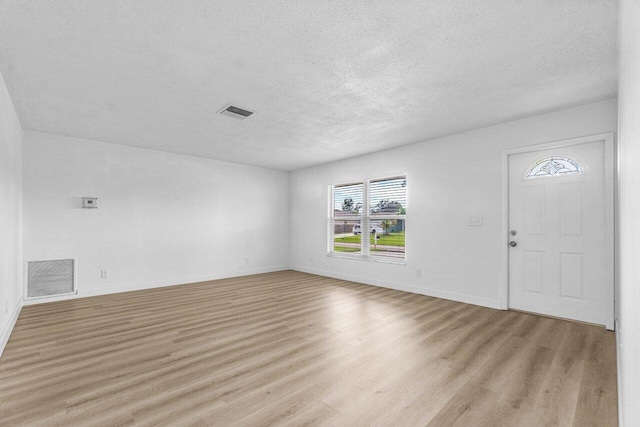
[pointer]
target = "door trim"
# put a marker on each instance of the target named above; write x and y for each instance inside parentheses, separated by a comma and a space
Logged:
(609, 177)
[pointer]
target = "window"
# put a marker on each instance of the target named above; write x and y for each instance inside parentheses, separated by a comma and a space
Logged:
(554, 166)
(368, 219)
(347, 209)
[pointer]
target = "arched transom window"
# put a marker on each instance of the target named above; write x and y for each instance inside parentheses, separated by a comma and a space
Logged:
(554, 166)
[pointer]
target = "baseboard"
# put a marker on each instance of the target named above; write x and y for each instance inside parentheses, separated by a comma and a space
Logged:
(618, 373)
(437, 293)
(6, 333)
(139, 286)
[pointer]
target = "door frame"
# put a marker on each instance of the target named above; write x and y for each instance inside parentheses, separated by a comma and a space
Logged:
(610, 211)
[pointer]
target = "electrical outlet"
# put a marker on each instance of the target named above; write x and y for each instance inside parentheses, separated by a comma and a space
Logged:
(104, 274)
(246, 260)
(419, 272)
(6, 306)
(310, 259)
(474, 221)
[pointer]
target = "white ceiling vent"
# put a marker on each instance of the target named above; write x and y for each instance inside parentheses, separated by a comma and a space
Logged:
(236, 112)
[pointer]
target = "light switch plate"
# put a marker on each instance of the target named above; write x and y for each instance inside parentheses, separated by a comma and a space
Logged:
(474, 221)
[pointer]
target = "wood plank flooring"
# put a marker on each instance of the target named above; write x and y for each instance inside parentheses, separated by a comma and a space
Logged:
(293, 349)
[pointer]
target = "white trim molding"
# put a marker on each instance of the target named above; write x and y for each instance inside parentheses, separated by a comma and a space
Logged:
(115, 288)
(432, 292)
(6, 333)
(619, 372)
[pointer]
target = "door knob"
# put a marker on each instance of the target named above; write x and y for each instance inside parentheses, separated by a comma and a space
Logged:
(513, 244)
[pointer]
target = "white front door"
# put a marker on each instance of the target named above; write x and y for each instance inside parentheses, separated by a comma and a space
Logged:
(561, 232)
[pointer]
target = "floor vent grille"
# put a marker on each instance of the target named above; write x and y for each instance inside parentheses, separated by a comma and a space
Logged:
(50, 278)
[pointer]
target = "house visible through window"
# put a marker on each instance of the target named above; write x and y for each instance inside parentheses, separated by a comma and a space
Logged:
(368, 219)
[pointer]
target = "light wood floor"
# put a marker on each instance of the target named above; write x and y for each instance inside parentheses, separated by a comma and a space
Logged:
(295, 349)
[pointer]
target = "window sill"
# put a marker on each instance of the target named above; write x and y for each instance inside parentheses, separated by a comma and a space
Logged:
(369, 258)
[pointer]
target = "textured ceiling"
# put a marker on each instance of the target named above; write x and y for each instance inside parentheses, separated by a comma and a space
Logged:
(328, 79)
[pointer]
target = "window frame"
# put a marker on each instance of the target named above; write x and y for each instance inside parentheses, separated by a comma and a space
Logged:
(365, 219)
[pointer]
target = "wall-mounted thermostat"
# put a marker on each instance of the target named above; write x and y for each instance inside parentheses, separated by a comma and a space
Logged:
(89, 202)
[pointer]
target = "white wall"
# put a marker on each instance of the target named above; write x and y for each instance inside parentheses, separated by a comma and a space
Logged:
(448, 180)
(162, 218)
(629, 202)
(10, 215)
